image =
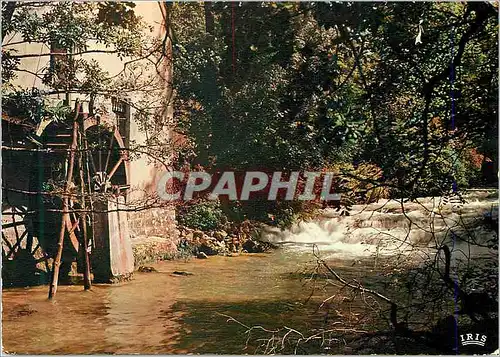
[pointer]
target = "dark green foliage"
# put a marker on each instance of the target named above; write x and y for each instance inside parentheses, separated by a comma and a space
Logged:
(275, 110)
(301, 87)
(9, 65)
(276, 213)
(30, 104)
(206, 216)
(117, 14)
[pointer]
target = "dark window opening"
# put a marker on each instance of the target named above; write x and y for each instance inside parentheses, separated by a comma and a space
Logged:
(122, 111)
(58, 62)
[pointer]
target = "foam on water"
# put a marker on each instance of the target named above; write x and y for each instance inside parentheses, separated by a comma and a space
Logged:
(328, 235)
(387, 227)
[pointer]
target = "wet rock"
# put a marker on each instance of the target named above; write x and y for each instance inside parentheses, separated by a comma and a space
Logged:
(182, 273)
(252, 246)
(205, 238)
(207, 248)
(236, 245)
(189, 236)
(198, 234)
(201, 255)
(220, 235)
(146, 269)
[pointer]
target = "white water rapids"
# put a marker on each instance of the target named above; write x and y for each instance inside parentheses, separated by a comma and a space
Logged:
(390, 227)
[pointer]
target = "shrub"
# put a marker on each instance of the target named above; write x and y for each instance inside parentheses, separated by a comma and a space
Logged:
(203, 215)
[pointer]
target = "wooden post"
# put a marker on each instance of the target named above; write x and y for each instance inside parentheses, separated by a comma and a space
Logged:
(69, 177)
(89, 181)
(83, 218)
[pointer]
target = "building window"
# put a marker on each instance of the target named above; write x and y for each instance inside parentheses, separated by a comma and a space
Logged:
(122, 111)
(59, 71)
(57, 55)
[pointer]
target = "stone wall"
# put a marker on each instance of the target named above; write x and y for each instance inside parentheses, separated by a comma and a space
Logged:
(153, 234)
(158, 222)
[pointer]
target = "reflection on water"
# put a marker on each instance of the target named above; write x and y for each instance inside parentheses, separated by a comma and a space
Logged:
(161, 313)
(121, 318)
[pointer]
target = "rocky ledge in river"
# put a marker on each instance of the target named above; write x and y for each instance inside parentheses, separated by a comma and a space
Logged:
(221, 242)
(146, 269)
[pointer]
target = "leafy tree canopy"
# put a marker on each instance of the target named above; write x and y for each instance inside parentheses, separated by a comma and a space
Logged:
(306, 86)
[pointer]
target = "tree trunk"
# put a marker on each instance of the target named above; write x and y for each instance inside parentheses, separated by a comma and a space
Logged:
(7, 14)
(69, 177)
(209, 18)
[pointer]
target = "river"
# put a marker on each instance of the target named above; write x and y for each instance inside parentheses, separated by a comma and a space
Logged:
(163, 313)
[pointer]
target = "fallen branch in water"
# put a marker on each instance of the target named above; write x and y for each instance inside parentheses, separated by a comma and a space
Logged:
(358, 287)
(284, 336)
(398, 326)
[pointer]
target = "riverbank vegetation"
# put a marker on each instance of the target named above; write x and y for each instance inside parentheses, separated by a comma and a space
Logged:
(399, 100)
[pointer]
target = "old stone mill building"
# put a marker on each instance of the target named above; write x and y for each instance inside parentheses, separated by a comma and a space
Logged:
(106, 205)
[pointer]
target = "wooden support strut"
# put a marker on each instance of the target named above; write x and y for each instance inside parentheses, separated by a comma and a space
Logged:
(86, 260)
(69, 176)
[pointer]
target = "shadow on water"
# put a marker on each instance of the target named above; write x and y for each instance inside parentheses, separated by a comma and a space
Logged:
(206, 330)
(22, 270)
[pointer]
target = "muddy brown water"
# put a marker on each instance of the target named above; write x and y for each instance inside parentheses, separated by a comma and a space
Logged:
(161, 313)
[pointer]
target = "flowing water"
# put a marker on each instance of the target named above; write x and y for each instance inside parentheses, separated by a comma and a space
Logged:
(389, 226)
(164, 313)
